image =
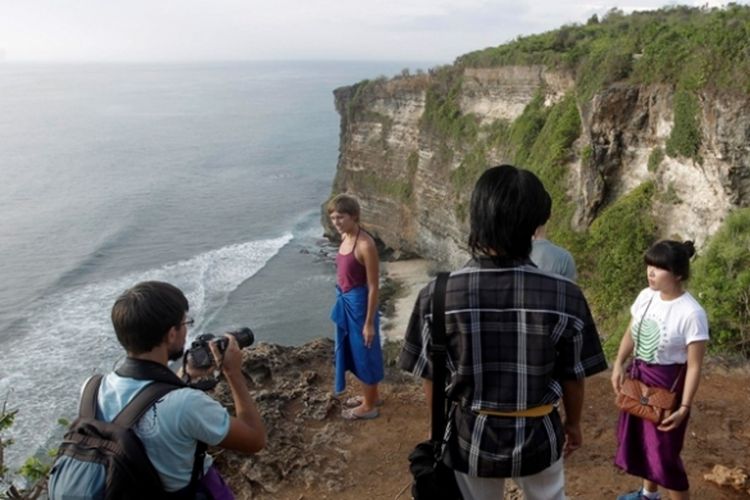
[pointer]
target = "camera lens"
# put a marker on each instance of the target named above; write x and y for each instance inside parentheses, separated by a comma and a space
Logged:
(244, 336)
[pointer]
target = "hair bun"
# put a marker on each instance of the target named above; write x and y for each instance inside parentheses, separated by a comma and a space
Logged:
(689, 247)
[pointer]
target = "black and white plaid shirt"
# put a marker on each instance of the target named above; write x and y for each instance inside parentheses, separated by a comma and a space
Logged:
(514, 333)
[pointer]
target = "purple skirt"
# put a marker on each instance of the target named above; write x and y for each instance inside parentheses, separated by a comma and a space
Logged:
(213, 484)
(642, 449)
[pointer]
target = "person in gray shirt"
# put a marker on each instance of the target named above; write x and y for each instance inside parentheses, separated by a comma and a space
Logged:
(549, 257)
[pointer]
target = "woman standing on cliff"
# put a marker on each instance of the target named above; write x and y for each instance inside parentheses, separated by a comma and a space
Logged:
(669, 331)
(355, 311)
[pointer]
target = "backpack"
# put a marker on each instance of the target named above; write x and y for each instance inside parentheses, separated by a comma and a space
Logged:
(106, 460)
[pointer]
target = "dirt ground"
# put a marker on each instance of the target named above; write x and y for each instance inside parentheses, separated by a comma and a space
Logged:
(718, 433)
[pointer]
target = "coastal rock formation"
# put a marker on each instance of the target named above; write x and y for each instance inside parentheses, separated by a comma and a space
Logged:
(626, 123)
(503, 93)
(403, 169)
(291, 386)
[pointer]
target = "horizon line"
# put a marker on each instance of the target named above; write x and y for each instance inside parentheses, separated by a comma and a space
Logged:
(216, 61)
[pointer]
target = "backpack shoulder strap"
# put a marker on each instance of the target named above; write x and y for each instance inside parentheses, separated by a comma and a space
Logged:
(142, 401)
(87, 406)
(198, 459)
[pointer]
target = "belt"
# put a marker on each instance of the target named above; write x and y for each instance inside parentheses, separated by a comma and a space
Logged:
(537, 411)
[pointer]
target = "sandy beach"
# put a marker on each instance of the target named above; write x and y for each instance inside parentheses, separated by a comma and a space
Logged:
(411, 275)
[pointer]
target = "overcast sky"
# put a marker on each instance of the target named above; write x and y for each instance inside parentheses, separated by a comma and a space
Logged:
(200, 30)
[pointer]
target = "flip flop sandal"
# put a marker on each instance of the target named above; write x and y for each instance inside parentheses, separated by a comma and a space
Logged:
(350, 415)
(355, 401)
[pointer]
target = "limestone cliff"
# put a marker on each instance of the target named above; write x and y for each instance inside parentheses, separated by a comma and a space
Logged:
(403, 170)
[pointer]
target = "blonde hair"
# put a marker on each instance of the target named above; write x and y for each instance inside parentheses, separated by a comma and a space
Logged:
(344, 204)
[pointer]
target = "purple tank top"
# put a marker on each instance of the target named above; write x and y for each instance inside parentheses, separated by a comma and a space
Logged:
(349, 272)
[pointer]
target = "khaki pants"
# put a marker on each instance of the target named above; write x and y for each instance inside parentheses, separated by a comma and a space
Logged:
(548, 484)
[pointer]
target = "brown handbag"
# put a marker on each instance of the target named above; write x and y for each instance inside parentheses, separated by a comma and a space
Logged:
(651, 403)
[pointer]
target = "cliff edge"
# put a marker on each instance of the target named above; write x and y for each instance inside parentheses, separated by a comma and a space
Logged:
(312, 453)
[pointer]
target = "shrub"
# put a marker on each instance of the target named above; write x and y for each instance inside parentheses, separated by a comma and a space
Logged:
(721, 283)
(655, 159)
(397, 189)
(685, 138)
(360, 93)
(548, 157)
(615, 246)
(695, 47)
(587, 155)
(442, 114)
(472, 166)
(34, 471)
(525, 129)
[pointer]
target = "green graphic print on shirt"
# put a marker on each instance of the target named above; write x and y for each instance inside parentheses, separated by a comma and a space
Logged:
(647, 343)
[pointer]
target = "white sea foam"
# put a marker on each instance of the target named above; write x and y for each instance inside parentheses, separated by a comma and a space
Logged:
(70, 335)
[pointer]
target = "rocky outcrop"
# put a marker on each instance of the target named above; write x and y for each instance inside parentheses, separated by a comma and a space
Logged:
(381, 143)
(502, 93)
(310, 447)
(401, 169)
(291, 386)
(626, 123)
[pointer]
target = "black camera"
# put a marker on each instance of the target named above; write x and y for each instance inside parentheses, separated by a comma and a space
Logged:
(199, 355)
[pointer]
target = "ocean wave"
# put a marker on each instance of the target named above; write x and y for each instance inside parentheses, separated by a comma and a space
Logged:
(69, 335)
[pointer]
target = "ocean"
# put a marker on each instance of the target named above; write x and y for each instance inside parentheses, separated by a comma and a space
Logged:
(208, 176)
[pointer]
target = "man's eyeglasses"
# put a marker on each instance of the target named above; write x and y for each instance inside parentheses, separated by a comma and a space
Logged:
(189, 322)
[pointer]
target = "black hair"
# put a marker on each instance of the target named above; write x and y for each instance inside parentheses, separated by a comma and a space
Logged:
(143, 315)
(672, 256)
(507, 206)
(546, 207)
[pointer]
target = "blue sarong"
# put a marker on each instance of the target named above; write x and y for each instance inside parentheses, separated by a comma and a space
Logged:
(349, 313)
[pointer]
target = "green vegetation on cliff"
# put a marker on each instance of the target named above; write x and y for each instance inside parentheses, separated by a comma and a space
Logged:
(685, 138)
(34, 470)
(655, 159)
(691, 49)
(542, 139)
(549, 157)
(695, 47)
(612, 268)
(721, 282)
(442, 115)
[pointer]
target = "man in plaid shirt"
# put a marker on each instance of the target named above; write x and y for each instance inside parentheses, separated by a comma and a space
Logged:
(519, 341)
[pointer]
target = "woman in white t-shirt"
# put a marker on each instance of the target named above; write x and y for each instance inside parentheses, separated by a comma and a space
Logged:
(669, 331)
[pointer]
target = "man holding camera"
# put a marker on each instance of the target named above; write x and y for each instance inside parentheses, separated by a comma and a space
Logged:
(151, 323)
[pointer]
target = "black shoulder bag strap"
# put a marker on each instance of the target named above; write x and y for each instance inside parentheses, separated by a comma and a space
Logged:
(164, 381)
(438, 355)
